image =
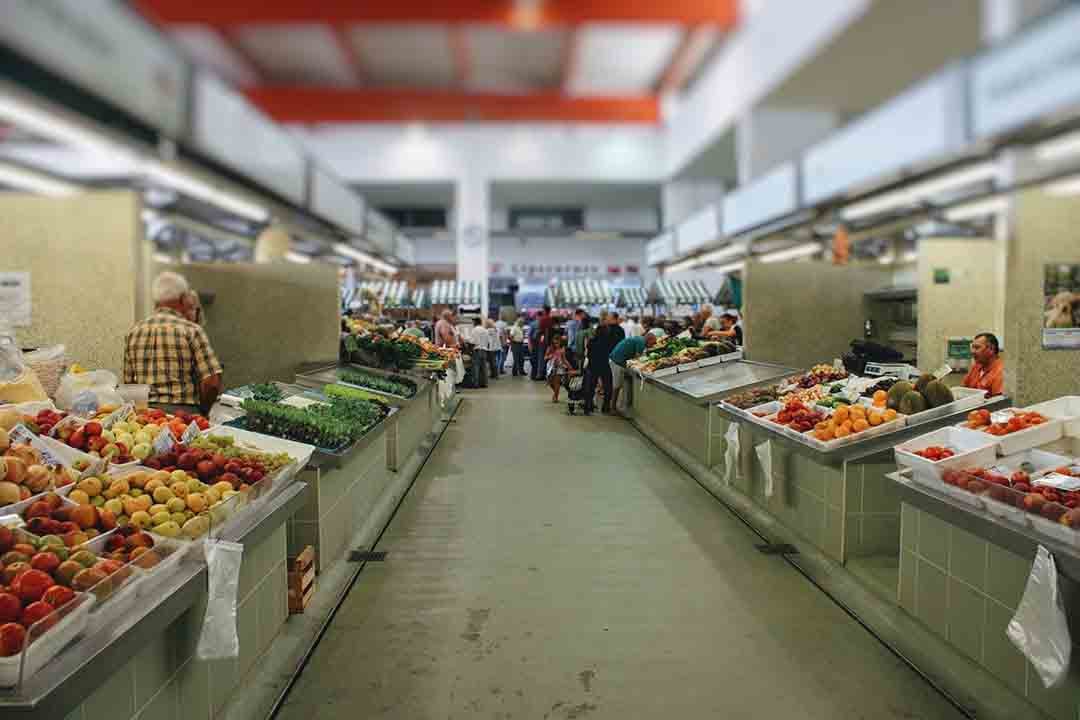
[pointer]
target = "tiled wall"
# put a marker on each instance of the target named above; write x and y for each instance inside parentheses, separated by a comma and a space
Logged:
(872, 511)
(414, 423)
(165, 681)
(339, 502)
(966, 590)
(683, 423)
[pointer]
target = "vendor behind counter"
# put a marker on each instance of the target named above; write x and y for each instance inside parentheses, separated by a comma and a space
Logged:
(987, 366)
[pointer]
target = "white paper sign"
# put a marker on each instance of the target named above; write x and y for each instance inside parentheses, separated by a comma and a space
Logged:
(15, 304)
(190, 433)
(1059, 481)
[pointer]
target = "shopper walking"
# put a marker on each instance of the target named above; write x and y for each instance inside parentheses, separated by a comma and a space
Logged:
(478, 343)
(573, 327)
(557, 366)
(543, 339)
(599, 346)
(492, 348)
(504, 344)
(517, 346)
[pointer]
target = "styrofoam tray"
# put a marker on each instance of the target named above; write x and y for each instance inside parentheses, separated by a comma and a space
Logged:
(883, 429)
(1033, 437)
(965, 399)
(973, 450)
(1066, 408)
(64, 452)
(51, 642)
(1039, 459)
(19, 507)
(963, 496)
(302, 452)
(1062, 533)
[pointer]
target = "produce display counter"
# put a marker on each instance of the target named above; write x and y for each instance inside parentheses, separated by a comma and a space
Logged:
(681, 405)
(145, 665)
(411, 423)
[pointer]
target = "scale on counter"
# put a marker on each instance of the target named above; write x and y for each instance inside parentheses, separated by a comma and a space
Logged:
(900, 370)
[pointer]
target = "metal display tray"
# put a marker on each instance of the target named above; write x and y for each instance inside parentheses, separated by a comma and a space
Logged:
(319, 377)
(707, 384)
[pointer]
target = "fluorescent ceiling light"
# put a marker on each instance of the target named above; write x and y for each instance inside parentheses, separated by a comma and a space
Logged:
(979, 208)
(201, 190)
(358, 255)
(38, 121)
(792, 253)
(1065, 187)
(1058, 148)
(296, 257)
(23, 179)
(724, 253)
(920, 192)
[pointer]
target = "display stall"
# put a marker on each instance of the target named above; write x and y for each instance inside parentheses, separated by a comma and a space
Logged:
(114, 597)
(633, 299)
(978, 500)
(679, 296)
(453, 294)
(584, 293)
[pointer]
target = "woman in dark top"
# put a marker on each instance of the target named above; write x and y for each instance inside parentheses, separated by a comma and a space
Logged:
(603, 341)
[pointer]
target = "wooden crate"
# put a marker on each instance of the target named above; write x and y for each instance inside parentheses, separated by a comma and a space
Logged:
(301, 580)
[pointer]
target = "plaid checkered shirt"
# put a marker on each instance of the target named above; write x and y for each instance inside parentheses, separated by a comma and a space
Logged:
(170, 354)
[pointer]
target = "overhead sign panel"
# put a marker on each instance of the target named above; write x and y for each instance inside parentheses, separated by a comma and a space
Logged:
(333, 201)
(406, 251)
(380, 232)
(660, 249)
(229, 129)
(103, 47)
(697, 231)
(767, 198)
(1029, 77)
(924, 123)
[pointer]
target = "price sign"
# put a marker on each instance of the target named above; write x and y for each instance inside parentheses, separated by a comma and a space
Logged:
(20, 434)
(164, 442)
(121, 414)
(1060, 482)
(190, 433)
(96, 468)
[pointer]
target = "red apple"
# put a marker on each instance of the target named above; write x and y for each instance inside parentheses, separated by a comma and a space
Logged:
(10, 607)
(92, 428)
(46, 562)
(58, 596)
(12, 639)
(38, 611)
(31, 585)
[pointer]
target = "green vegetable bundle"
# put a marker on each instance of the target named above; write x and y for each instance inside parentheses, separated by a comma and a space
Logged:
(266, 391)
(396, 354)
(401, 386)
(284, 421)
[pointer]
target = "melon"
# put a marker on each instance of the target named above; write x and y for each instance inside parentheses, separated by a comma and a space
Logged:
(911, 403)
(937, 394)
(896, 393)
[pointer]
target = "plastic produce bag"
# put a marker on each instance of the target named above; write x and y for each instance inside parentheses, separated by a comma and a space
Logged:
(219, 639)
(731, 453)
(1040, 629)
(764, 454)
(49, 364)
(18, 383)
(101, 384)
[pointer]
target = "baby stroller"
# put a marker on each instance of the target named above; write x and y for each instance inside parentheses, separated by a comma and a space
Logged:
(575, 391)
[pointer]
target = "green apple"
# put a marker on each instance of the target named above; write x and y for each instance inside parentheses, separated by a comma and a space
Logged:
(160, 518)
(178, 476)
(141, 451)
(143, 437)
(168, 529)
(109, 436)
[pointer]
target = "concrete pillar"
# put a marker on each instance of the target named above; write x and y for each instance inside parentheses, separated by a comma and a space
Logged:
(473, 239)
(768, 135)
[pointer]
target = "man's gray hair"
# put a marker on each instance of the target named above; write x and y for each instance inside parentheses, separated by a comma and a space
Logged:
(169, 287)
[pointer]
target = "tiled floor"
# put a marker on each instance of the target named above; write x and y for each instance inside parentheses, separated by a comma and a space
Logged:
(545, 566)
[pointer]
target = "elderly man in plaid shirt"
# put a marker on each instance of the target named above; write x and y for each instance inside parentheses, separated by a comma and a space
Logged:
(169, 351)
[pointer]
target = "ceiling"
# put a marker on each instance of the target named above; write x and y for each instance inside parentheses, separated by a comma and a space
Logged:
(453, 60)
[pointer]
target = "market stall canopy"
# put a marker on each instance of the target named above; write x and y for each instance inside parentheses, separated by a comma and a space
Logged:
(633, 297)
(549, 297)
(421, 298)
(572, 293)
(449, 292)
(679, 292)
(730, 293)
(391, 293)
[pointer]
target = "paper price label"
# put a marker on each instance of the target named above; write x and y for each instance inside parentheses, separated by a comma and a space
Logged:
(20, 434)
(1059, 482)
(48, 457)
(164, 441)
(942, 371)
(1001, 416)
(121, 414)
(190, 433)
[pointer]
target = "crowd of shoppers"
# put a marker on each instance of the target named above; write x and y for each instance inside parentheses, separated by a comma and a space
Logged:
(597, 349)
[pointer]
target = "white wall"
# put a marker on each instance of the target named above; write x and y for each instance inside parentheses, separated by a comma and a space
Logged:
(774, 39)
(408, 153)
(567, 250)
(438, 250)
(625, 219)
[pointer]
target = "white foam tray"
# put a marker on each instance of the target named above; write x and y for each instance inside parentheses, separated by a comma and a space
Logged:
(973, 449)
(1066, 409)
(46, 647)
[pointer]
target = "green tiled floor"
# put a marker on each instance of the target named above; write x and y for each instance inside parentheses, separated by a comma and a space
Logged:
(548, 566)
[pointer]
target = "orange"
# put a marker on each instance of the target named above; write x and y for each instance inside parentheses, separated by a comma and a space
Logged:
(857, 411)
(890, 415)
(841, 414)
(860, 426)
(880, 397)
(821, 425)
(847, 425)
(842, 431)
(874, 418)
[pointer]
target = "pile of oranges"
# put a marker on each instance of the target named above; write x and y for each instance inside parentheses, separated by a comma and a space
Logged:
(853, 419)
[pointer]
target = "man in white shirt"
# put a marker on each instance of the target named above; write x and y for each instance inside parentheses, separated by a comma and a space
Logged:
(478, 338)
(504, 343)
(517, 346)
(632, 327)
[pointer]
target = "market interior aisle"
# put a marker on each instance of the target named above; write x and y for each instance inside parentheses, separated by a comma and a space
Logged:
(547, 566)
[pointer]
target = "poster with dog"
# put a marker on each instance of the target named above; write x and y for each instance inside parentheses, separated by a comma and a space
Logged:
(1061, 307)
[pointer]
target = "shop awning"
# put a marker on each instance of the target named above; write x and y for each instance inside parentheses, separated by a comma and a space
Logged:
(633, 297)
(679, 292)
(420, 298)
(449, 292)
(391, 293)
(572, 293)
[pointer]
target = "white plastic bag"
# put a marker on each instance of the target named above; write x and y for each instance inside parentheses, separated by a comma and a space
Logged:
(1040, 629)
(764, 455)
(101, 383)
(219, 639)
(731, 453)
